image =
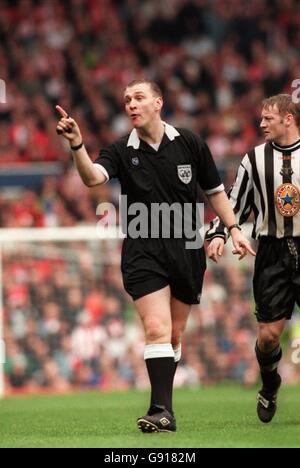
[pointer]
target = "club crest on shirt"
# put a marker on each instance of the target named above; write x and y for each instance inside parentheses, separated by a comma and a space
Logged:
(185, 173)
(287, 200)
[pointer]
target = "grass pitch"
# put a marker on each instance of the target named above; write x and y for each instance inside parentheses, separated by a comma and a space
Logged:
(211, 417)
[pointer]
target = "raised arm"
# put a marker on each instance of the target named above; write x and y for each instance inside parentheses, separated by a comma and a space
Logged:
(67, 127)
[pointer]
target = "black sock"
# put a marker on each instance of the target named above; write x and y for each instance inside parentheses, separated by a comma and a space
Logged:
(269, 380)
(161, 374)
(268, 363)
(152, 402)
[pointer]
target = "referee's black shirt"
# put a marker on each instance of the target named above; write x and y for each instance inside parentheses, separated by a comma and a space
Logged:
(168, 175)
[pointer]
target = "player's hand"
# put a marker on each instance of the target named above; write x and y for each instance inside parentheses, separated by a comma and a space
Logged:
(68, 128)
(215, 249)
(241, 245)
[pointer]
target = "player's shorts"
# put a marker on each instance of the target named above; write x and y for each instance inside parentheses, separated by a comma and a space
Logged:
(152, 264)
(276, 281)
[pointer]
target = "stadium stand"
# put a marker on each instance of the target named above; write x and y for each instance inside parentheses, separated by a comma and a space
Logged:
(215, 61)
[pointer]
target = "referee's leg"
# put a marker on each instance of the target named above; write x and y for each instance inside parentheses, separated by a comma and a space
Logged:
(179, 313)
(155, 312)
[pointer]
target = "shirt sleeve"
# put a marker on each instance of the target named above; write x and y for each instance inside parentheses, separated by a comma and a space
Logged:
(108, 162)
(207, 173)
(241, 196)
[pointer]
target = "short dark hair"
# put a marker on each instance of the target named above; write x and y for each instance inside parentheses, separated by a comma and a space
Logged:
(153, 85)
(285, 105)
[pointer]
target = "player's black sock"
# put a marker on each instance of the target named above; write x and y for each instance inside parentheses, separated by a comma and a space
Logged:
(268, 363)
(160, 365)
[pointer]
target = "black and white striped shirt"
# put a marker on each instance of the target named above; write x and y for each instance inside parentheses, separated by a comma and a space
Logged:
(267, 183)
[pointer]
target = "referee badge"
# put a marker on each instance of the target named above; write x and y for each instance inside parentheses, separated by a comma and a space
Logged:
(287, 200)
(185, 173)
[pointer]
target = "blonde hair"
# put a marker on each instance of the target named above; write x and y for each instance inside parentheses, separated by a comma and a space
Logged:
(284, 104)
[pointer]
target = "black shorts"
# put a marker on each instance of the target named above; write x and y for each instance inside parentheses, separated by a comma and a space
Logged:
(152, 264)
(276, 281)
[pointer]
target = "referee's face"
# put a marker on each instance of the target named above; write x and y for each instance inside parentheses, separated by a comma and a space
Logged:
(273, 124)
(141, 105)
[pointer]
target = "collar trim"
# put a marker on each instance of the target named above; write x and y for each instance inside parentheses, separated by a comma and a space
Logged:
(292, 147)
(134, 139)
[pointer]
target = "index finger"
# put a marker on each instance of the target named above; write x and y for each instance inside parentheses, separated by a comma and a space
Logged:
(62, 112)
(249, 248)
(252, 251)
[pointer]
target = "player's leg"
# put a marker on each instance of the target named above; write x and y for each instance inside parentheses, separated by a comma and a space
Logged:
(275, 300)
(155, 313)
(268, 353)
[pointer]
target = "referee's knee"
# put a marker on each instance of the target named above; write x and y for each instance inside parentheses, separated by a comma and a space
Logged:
(157, 332)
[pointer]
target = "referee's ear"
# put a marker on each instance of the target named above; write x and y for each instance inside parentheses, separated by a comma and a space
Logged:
(159, 103)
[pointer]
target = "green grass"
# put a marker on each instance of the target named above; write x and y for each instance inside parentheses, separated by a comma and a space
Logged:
(212, 417)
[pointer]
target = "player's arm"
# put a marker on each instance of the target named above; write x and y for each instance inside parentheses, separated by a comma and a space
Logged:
(90, 174)
(241, 199)
(223, 209)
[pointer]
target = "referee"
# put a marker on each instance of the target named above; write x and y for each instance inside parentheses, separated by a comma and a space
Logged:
(268, 184)
(157, 163)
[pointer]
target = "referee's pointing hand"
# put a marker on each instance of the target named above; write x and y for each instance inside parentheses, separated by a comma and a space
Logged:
(67, 127)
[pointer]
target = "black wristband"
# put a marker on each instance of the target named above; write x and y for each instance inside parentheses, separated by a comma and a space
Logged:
(75, 148)
(234, 226)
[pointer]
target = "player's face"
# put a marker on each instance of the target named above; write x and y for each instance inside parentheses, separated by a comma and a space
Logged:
(141, 105)
(273, 124)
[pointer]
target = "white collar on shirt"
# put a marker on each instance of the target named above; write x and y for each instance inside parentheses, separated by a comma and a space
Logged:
(134, 140)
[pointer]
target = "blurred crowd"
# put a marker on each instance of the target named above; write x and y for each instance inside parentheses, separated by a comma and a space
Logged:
(68, 322)
(214, 60)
